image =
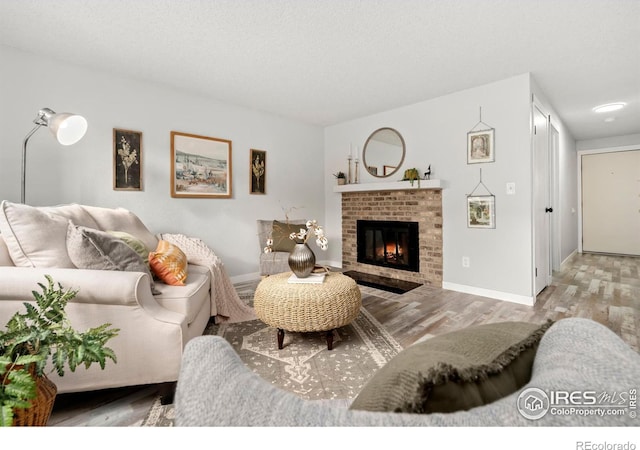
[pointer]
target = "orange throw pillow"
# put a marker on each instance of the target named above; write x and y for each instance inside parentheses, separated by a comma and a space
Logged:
(169, 263)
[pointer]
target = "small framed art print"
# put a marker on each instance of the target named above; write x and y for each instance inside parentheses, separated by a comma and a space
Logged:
(258, 171)
(481, 211)
(127, 160)
(480, 147)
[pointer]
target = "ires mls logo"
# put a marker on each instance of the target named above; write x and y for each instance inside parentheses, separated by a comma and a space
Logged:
(534, 403)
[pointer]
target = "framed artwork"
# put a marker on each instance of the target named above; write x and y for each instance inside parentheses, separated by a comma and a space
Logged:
(200, 166)
(127, 160)
(481, 211)
(258, 171)
(373, 170)
(480, 147)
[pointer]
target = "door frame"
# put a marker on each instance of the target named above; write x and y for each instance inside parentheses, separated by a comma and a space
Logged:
(581, 153)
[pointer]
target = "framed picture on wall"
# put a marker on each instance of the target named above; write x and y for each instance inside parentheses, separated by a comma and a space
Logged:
(257, 171)
(200, 166)
(481, 211)
(480, 148)
(127, 160)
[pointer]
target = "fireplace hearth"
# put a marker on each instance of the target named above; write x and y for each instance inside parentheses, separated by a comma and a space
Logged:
(386, 243)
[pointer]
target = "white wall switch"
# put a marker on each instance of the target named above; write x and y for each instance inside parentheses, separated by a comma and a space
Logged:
(511, 188)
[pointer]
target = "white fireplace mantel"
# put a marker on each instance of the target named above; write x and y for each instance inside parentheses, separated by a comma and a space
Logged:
(390, 186)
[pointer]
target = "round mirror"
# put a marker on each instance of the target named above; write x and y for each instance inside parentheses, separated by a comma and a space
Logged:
(383, 152)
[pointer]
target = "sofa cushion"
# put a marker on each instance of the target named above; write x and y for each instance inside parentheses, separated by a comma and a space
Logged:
(456, 371)
(98, 250)
(136, 244)
(34, 237)
(120, 219)
(190, 298)
(280, 235)
(169, 263)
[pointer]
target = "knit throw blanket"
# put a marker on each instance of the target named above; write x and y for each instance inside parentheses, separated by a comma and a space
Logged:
(229, 307)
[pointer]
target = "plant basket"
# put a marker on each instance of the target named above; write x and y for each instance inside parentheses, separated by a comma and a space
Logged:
(41, 406)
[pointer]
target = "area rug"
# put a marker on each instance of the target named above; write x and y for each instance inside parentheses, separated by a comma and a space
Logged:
(304, 366)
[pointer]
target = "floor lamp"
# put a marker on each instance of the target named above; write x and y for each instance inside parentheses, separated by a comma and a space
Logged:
(66, 127)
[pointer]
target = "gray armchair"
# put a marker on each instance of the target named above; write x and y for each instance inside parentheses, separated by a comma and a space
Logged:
(215, 388)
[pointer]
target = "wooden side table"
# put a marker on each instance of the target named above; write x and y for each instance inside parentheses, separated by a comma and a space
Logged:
(307, 307)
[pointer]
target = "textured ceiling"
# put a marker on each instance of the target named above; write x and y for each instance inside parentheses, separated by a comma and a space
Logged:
(327, 61)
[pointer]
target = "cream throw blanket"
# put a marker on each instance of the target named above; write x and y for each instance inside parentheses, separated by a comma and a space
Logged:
(230, 309)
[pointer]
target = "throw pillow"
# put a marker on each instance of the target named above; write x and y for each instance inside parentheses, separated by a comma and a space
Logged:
(122, 220)
(280, 235)
(169, 263)
(34, 237)
(136, 244)
(456, 371)
(98, 250)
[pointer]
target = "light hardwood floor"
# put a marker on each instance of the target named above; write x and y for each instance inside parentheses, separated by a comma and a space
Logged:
(601, 287)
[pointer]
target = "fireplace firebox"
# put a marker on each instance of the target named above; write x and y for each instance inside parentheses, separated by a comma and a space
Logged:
(388, 243)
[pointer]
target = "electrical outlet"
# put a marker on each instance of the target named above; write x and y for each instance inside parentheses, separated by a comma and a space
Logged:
(466, 261)
(511, 188)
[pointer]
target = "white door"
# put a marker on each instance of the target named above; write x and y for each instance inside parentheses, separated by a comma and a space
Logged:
(611, 202)
(541, 203)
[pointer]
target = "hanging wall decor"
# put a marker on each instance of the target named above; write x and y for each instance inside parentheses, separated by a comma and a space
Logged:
(481, 209)
(480, 143)
(127, 160)
(200, 166)
(258, 171)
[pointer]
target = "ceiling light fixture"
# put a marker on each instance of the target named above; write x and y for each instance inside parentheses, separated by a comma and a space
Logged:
(609, 107)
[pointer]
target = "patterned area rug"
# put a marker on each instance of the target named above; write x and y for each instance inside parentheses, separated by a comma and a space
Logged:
(304, 366)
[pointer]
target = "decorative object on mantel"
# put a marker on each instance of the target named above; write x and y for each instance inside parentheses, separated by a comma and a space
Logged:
(480, 146)
(411, 175)
(427, 174)
(341, 177)
(302, 260)
(349, 159)
(356, 172)
(481, 209)
(66, 127)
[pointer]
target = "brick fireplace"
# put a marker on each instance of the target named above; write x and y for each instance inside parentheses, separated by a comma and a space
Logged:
(423, 206)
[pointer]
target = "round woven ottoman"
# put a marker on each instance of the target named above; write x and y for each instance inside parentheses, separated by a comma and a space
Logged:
(306, 307)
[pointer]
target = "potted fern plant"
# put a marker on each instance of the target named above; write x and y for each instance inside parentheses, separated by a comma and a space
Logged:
(36, 337)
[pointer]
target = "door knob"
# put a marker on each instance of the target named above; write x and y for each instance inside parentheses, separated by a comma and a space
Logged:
(548, 210)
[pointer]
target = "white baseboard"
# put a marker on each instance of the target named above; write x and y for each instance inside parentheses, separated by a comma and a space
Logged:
(498, 295)
(245, 277)
(568, 258)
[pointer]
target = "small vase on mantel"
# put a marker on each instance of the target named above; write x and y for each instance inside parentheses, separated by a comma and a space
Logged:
(302, 260)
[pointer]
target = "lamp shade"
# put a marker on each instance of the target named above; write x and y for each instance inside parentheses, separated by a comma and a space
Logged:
(67, 128)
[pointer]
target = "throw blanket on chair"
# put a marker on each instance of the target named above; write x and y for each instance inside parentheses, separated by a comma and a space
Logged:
(230, 308)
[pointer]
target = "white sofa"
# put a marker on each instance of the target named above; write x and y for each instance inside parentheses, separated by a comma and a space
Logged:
(154, 329)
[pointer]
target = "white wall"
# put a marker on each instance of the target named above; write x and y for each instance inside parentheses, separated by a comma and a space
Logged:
(435, 132)
(83, 173)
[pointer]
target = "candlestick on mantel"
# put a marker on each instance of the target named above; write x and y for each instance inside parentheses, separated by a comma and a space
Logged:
(356, 177)
(349, 172)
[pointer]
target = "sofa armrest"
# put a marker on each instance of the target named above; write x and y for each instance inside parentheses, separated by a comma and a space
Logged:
(97, 287)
